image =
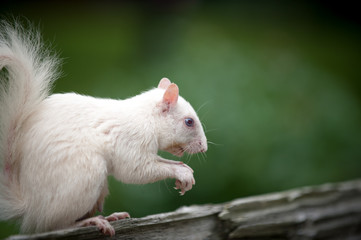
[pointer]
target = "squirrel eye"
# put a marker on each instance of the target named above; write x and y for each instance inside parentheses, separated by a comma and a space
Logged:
(189, 122)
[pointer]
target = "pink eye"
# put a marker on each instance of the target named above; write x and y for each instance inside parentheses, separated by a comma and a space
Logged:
(189, 122)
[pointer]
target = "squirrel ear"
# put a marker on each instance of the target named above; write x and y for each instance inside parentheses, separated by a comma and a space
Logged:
(170, 96)
(164, 83)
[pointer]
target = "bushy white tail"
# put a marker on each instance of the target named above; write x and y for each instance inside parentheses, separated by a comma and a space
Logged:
(26, 75)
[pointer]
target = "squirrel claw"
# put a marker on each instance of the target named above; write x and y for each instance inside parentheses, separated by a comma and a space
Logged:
(117, 216)
(100, 222)
(184, 186)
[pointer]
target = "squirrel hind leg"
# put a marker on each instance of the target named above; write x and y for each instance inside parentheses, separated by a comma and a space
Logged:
(98, 205)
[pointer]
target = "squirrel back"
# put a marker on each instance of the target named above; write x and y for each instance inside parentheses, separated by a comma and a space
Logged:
(27, 72)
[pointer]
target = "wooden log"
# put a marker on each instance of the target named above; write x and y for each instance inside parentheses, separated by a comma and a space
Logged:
(329, 211)
(324, 212)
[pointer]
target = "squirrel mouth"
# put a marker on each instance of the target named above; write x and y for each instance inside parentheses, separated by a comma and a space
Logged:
(180, 152)
(176, 150)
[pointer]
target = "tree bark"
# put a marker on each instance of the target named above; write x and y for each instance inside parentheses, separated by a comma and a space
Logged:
(329, 211)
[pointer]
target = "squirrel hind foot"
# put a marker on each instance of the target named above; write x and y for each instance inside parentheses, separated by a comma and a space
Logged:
(102, 223)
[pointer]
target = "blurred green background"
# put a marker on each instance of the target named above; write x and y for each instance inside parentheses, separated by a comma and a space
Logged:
(277, 85)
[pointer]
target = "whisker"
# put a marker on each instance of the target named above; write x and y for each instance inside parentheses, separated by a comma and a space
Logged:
(204, 114)
(210, 130)
(204, 104)
(188, 159)
(189, 156)
(215, 144)
(201, 158)
(198, 157)
(167, 187)
(204, 126)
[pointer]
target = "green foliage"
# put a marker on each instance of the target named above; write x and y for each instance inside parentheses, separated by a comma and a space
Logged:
(277, 86)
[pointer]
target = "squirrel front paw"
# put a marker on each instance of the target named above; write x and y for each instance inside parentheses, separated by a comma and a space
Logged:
(184, 178)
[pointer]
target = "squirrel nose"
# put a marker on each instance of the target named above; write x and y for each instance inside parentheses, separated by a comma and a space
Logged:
(204, 147)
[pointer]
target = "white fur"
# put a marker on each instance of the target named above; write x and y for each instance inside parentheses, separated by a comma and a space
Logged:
(57, 150)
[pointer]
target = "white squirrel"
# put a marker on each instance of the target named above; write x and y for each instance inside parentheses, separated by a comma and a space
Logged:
(56, 151)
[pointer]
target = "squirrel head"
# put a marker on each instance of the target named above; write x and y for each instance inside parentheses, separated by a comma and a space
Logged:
(180, 129)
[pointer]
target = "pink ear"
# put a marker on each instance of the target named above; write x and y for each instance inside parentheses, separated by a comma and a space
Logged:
(164, 83)
(170, 96)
